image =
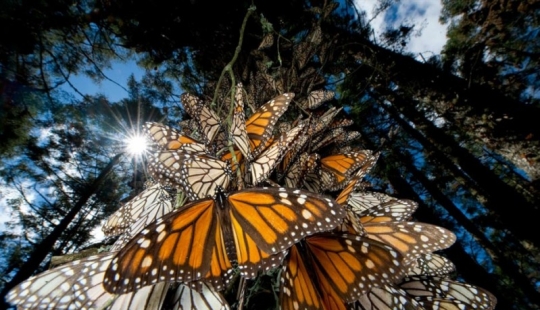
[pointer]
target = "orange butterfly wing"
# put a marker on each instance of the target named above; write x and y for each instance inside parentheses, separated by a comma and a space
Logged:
(340, 167)
(183, 246)
(260, 125)
(169, 139)
(276, 218)
(343, 267)
(297, 290)
(200, 240)
(411, 239)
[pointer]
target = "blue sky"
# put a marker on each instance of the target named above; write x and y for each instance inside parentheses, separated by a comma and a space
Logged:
(424, 14)
(119, 73)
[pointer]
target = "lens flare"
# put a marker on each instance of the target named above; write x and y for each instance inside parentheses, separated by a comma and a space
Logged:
(136, 145)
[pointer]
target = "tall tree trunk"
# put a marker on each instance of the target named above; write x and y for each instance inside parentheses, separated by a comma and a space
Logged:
(503, 200)
(498, 254)
(42, 249)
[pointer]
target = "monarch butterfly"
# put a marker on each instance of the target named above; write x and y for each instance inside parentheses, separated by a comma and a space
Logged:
(384, 223)
(315, 35)
(150, 204)
(312, 180)
(329, 8)
(347, 137)
(360, 201)
(260, 125)
(208, 121)
(198, 175)
(266, 42)
(238, 127)
(207, 298)
(430, 291)
(295, 148)
(340, 123)
(324, 140)
(344, 266)
(386, 298)
(410, 238)
(431, 265)
(264, 164)
(190, 127)
(77, 285)
(354, 184)
(396, 210)
(170, 139)
(316, 98)
(205, 238)
(298, 170)
(337, 169)
(302, 54)
(323, 121)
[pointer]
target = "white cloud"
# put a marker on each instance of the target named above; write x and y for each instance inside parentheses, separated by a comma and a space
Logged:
(424, 14)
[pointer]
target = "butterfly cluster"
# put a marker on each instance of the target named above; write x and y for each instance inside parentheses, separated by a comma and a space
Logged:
(264, 190)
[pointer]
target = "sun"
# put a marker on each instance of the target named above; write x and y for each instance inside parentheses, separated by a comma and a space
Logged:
(136, 145)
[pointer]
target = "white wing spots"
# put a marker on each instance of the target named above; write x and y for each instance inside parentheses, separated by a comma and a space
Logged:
(161, 236)
(145, 243)
(286, 201)
(159, 229)
(307, 215)
(147, 261)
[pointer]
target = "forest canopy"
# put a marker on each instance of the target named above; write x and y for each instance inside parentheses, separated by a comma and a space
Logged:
(456, 133)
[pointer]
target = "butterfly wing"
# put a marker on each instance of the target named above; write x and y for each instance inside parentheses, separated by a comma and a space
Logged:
(360, 201)
(64, 287)
(397, 210)
(150, 204)
(185, 245)
(260, 125)
(208, 121)
(424, 288)
(148, 297)
(431, 265)
(77, 285)
(342, 166)
(198, 175)
(411, 239)
(265, 163)
(347, 266)
(276, 218)
(316, 98)
(208, 298)
(386, 298)
(297, 290)
(169, 139)
(238, 127)
(355, 182)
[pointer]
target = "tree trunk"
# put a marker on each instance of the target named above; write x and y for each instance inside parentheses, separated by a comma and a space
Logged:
(498, 254)
(503, 200)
